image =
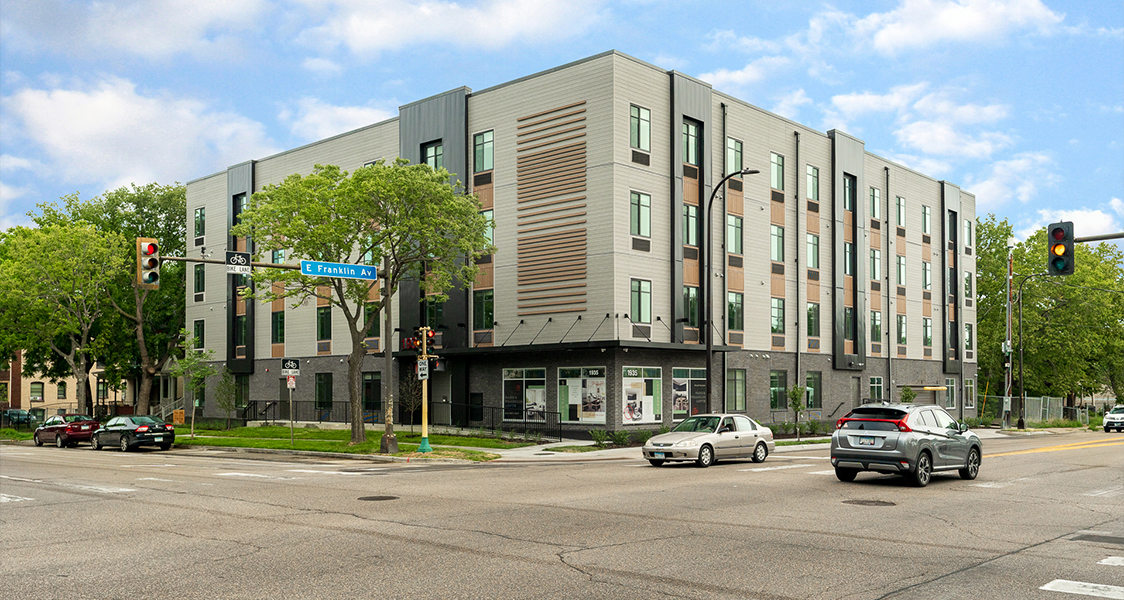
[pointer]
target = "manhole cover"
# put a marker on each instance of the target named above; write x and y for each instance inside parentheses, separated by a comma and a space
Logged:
(378, 498)
(869, 503)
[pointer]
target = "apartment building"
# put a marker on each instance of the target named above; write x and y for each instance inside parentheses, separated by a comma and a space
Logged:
(624, 273)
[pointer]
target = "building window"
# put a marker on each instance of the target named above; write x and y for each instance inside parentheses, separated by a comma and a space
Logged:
(814, 394)
(483, 315)
(733, 156)
(323, 323)
(927, 331)
(690, 225)
(640, 128)
(640, 214)
(926, 275)
(434, 313)
(200, 278)
(582, 394)
(969, 393)
(691, 305)
(200, 222)
(778, 384)
(375, 330)
(103, 390)
(849, 185)
(61, 389)
(735, 312)
(524, 394)
(482, 152)
(776, 309)
(199, 395)
(490, 231)
(813, 251)
(735, 390)
(690, 143)
(901, 329)
(37, 391)
(950, 393)
(967, 237)
(875, 264)
(875, 388)
(323, 391)
(278, 257)
(641, 301)
(277, 327)
(813, 183)
(848, 258)
(813, 319)
(197, 334)
(776, 247)
(241, 205)
(968, 342)
(776, 171)
(848, 323)
(875, 203)
(372, 391)
(901, 211)
(239, 332)
(925, 220)
(968, 285)
(901, 270)
(875, 326)
(734, 234)
(433, 155)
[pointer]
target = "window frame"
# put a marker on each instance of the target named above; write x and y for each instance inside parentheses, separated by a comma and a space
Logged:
(776, 243)
(776, 171)
(735, 390)
(640, 214)
(691, 305)
(438, 156)
(483, 151)
(778, 386)
(813, 313)
(875, 203)
(734, 157)
(690, 225)
(875, 264)
(876, 385)
(813, 183)
(902, 322)
(776, 316)
(483, 309)
(640, 295)
(813, 395)
(201, 221)
(640, 128)
(690, 136)
(277, 327)
(813, 251)
(901, 212)
(734, 234)
(926, 220)
(927, 332)
(876, 326)
(735, 311)
(199, 278)
(323, 323)
(926, 275)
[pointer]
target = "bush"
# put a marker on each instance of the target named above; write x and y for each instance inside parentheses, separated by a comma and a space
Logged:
(621, 438)
(664, 429)
(642, 436)
(599, 436)
(816, 427)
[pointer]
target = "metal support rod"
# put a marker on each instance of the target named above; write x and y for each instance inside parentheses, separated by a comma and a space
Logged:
(1022, 382)
(424, 356)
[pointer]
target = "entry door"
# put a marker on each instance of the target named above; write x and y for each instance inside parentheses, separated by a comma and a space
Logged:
(856, 392)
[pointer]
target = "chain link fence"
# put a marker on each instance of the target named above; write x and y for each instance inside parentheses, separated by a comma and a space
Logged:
(1038, 409)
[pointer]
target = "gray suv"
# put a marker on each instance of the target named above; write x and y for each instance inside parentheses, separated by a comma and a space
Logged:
(910, 440)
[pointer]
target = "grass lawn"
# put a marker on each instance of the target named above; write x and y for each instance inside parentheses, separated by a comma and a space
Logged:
(344, 435)
(575, 449)
(8, 433)
(802, 442)
(371, 446)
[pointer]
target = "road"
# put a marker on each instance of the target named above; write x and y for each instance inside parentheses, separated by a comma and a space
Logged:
(190, 524)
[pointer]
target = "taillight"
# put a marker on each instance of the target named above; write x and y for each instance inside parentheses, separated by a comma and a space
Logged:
(839, 423)
(169, 427)
(902, 427)
(142, 429)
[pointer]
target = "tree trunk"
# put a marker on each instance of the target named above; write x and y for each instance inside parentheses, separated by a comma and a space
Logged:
(145, 392)
(354, 386)
(388, 444)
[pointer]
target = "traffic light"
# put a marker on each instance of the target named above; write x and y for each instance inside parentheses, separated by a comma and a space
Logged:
(427, 340)
(1059, 248)
(148, 263)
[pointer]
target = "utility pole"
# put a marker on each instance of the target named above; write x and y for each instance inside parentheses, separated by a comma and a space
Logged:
(1008, 383)
(423, 374)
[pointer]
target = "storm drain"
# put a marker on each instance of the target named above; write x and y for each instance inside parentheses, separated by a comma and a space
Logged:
(869, 503)
(378, 498)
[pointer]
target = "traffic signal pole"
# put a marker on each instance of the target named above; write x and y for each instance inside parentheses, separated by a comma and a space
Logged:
(423, 359)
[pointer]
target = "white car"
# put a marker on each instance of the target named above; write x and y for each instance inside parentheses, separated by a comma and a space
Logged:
(704, 439)
(1114, 419)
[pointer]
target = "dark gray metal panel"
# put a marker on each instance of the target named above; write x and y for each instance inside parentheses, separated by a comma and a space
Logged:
(848, 156)
(950, 205)
(239, 180)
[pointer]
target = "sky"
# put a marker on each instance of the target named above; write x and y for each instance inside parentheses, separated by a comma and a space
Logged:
(1020, 102)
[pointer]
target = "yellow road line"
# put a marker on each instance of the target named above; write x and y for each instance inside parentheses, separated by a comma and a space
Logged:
(1073, 446)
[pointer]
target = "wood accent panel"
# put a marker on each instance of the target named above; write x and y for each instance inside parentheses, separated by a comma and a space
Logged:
(776, 285)
(278, 305)
(691, 271)
(926, 308)
(900, 304)
(849, 225)
(813, 224)
(849, 290)
(691, 191)
(735, 201)
(899, 245)
(735, 279)
(813, 291)
(323, 290)
(277, 350)
(486, 195)
(776, 213)
(487, 276)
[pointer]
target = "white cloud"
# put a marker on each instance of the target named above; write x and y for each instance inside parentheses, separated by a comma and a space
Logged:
(940, 105)
(367, 28)
(109, 134)
(322, 66)
(899, 98)
(916, 24)
(725, 40)
(942, 138)
(1117, 206)
(1086, 221)
(316, 120)
(789, 104)
(932, 167)
(1019, 178)
(751, 73)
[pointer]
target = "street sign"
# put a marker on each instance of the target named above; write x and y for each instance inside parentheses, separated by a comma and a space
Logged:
(344, 270)
(291, 382)
(423, 369)
(290, 367)
(238, 263)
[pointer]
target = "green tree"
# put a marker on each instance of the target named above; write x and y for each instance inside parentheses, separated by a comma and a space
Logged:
(406, 218)
(54, 284)
(796, 396)
(226, 394)
(195, 366)
(907, 395)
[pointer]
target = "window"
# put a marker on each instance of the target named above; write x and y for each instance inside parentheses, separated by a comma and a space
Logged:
(776, 171)
(969, 393)
(200, 222)
(901, 270)
(199, 395)
(241, 390)
(735, 318)
(61, 390)
(848, 323)
(927, 331)
(813, 183)
(524, 394)
(581, 394)
(691, 305)
(239, 332)
(37, 391)
(901, 211)
(640, 214)
(875, 388)
(323, 391)
(691, 143)
(925, 220)
(324, 323)
(482, 152)
(875, 326)
(375, 330)
(776, 309)
(490, 232)
(198, 334)
(200, 278)
(434, 313)
(926, 275)
(641, 301)
(734, 234)
(277, 327)
(848, 258)
(735, 390)
(814, 396)
(103, 390)
(968, 285)
(278, 257)
(372, 391)
(967, 237)
(849, 185)
(813, 319)
(433, 155)
(968, 336)
(813, 251)
(875, 264)
(483, 315)
(640, 128)
(901, 329)
(690, 225)
(368, 257)
(778, 383)
(875, 203)
(241, 205)
(776, 248)
(733, 156)
(949, 397)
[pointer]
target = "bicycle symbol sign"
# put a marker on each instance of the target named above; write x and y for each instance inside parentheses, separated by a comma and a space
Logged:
(238, 263)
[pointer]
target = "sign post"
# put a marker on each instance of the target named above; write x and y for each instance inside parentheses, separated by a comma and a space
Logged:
(423, 376)
(238, 263)
(290, 368)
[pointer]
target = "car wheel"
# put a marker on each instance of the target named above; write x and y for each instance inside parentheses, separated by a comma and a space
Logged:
(972, 467)
(166, 446)
(656, 462)
(124, 444)
(706, 457)
(759, 453)
(924, 472)
(95, 443)
(59, 442)
(846, 474)
(1107, 429)
(39, 442)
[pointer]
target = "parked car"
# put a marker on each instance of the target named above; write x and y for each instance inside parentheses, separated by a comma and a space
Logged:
(18, 416)
(66, 430)
(129, 433)
(707, 438)
(1114, 418)
(910, 440)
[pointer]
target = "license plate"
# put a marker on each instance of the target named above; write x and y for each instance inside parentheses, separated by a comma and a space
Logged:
(158, 439)
(657, 454)
(85, 427)
(866, 441)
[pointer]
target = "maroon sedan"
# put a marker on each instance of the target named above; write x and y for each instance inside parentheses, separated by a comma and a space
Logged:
(66, 430)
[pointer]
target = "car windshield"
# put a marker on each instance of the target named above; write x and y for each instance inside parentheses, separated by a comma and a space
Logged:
(876, 412)
(707, 424)
(1117, 410)
(73, 418)
(870, 425)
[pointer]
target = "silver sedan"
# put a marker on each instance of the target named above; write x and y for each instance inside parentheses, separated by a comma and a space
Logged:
(707, 438)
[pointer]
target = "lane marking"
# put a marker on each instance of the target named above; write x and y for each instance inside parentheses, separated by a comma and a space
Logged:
(327, 472)
(155, 479)
(775, 468)
(831, 472)
(21, 479)
(72, 485)
(7, 498)
(1113, 561)
(1059, 448)
(989, 485)
(152, 465)
(1107, 493)
(252, 475)
(1095, 590)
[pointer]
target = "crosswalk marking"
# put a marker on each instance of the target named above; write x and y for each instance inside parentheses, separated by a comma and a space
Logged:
(7, 498)
(1114, 561)
(1095, 590)
(1107, 493)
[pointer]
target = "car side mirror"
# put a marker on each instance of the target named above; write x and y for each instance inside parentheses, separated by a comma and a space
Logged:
(962, 427)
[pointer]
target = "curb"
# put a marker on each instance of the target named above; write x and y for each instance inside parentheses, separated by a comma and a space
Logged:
(312, 453)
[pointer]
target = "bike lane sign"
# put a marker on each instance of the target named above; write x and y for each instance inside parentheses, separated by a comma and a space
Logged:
(238, 263)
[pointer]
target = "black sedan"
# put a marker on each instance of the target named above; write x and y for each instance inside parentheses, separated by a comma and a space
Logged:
(128, 433)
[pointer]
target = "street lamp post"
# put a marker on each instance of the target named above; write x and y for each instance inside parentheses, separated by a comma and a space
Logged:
(707, 276)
